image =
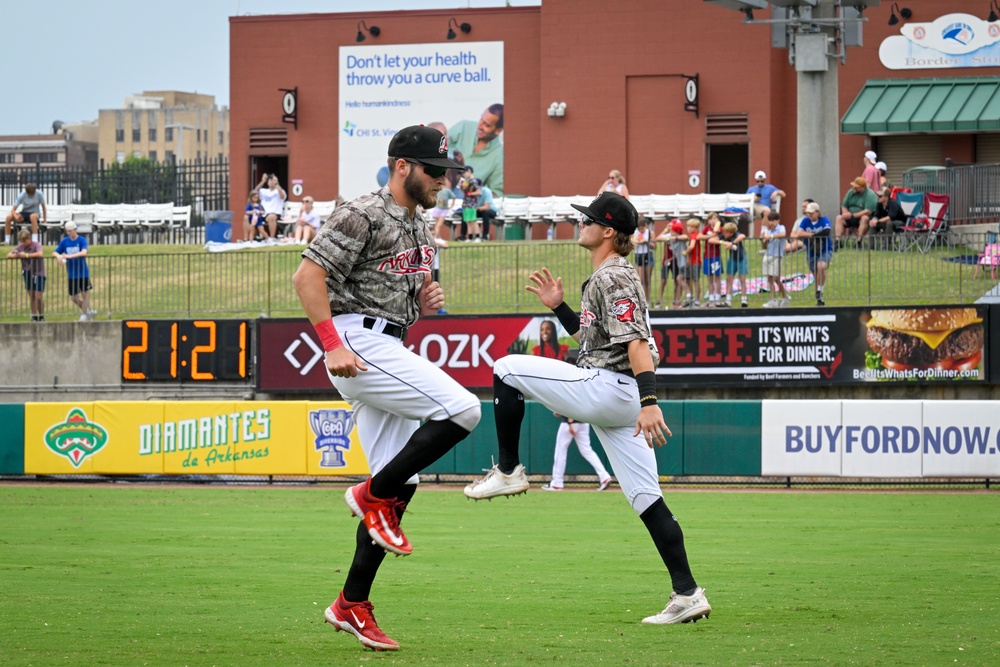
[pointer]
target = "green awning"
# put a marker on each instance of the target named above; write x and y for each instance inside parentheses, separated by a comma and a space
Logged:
(906, 106)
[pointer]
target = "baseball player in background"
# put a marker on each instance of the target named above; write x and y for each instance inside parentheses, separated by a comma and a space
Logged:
(363, 280)
(613, 386)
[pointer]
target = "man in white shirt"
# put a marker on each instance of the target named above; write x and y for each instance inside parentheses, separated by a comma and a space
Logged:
(272, 199)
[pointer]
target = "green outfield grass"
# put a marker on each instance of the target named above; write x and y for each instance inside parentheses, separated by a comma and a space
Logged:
(129, 575)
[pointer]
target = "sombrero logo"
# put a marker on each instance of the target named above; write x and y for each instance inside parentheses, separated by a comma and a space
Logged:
(959, 32)
(76, 438)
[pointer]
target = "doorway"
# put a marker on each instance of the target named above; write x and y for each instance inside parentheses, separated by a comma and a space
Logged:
(268, 164)
(727, 168)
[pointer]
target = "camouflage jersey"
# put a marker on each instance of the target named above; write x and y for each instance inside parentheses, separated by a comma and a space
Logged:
(376, 258)
(613, 311)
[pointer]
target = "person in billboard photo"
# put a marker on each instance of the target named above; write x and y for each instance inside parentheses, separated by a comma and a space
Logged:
(548, 342)
(481, 146)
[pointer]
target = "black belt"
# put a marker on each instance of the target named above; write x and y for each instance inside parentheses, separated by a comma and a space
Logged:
(393, 330)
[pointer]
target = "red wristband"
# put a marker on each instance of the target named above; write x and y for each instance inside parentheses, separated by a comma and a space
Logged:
(328, 335)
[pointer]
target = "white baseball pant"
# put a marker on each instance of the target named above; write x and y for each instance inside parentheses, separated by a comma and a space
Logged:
(581, 433)
(398, 391)
(608, 401)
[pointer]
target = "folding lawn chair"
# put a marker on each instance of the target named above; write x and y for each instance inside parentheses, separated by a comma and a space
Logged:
(912, 204)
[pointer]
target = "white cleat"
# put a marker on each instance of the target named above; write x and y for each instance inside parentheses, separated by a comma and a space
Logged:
(498, 484)
(682, 609)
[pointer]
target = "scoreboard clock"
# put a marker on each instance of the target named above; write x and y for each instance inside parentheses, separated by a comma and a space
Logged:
(186, 350)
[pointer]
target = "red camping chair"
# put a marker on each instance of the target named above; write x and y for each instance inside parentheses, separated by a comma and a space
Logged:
(922, 231)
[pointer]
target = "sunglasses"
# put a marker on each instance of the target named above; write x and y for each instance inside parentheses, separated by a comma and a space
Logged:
(431, 170)
(587, 222)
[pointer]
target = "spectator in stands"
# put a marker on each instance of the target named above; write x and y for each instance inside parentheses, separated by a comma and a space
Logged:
(32, 270)
(614, 183)
(881, 172)
(471, 189)
(643, 240)
(674, 260)
(815, 229)
(308, 223)
(871, 173)
(272, 198)
(765, 196)
(441, 211)
(481, 145)
(32, 203)
(795, 244)
(737, 265)
(692, 272)
(712, 259)
(774, 255)
(72, 253)
(856, 209)
(888, 214)
(253, 218)
(486, 210)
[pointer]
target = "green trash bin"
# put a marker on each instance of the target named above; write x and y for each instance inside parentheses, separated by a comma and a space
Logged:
(513, 231)
(514, 207)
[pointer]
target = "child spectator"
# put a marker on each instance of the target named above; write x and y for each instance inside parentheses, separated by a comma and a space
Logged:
(774, 254)
(470, 187)
(692, 272)
(254, 218)
(736, 263)
(30, 253)
(643, 254)
(712, 262)
(674, 259)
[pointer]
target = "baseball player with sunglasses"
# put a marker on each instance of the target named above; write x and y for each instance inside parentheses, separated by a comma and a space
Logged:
(363, 280)
(613, 387)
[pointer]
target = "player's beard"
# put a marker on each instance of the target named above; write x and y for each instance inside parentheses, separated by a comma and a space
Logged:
(416, 191)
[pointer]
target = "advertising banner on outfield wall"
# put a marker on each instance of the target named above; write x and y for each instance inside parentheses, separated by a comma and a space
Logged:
(456, 87)
(795, 347)
(192, 438)
(880, 439)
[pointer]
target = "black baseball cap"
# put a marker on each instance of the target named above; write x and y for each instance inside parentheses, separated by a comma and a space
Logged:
(424, 145)
(612, 210)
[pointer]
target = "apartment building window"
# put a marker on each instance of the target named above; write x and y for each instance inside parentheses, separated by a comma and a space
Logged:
(152, 134)
(221, 136)
(119, 136)
(32, 158)
(198, 135)
(168, 134)
(168, 157)
(220, 157)
(136, 134)
(6, 158)
(152, 155)
(119, 126)
(136, 153)
(120, 157)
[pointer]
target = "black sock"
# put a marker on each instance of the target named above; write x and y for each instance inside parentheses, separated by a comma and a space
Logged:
(508, 411)
(669, 541)
(368, 557)
(428, 443)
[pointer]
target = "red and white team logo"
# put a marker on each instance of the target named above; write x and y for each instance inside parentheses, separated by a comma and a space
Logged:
(586, 317)
(443, 147)
(624, 310)
(414, 260)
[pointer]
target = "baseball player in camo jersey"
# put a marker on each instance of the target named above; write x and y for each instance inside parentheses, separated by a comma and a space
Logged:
(613, 386)
(363, 280)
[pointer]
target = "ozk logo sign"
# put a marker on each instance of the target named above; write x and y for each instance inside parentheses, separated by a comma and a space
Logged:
(76, 438)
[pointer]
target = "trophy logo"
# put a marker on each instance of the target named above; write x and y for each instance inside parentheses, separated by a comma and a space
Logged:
(333, 435)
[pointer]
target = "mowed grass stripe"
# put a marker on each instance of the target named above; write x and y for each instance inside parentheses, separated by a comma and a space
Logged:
(130, 575)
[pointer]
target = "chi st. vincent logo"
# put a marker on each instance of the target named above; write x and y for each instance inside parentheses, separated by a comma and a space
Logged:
(76, 438)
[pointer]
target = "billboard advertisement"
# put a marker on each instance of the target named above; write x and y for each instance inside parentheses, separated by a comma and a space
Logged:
(796, 347)
(880, 439)
(456, 87)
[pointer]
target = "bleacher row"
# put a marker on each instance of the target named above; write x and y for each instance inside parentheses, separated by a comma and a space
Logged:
(145, 221)
(552, 210)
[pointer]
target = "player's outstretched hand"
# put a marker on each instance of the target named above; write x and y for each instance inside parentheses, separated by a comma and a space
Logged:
(430, 297)
(548, 289)
(343, 363)
(652, 426)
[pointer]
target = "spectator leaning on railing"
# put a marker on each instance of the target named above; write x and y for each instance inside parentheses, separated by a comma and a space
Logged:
(32, 270)
(72, 252)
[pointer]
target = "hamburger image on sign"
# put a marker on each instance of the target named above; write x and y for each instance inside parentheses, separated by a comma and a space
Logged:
(941, 338)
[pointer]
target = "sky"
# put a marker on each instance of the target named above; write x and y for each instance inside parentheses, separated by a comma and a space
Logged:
(82, 60)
